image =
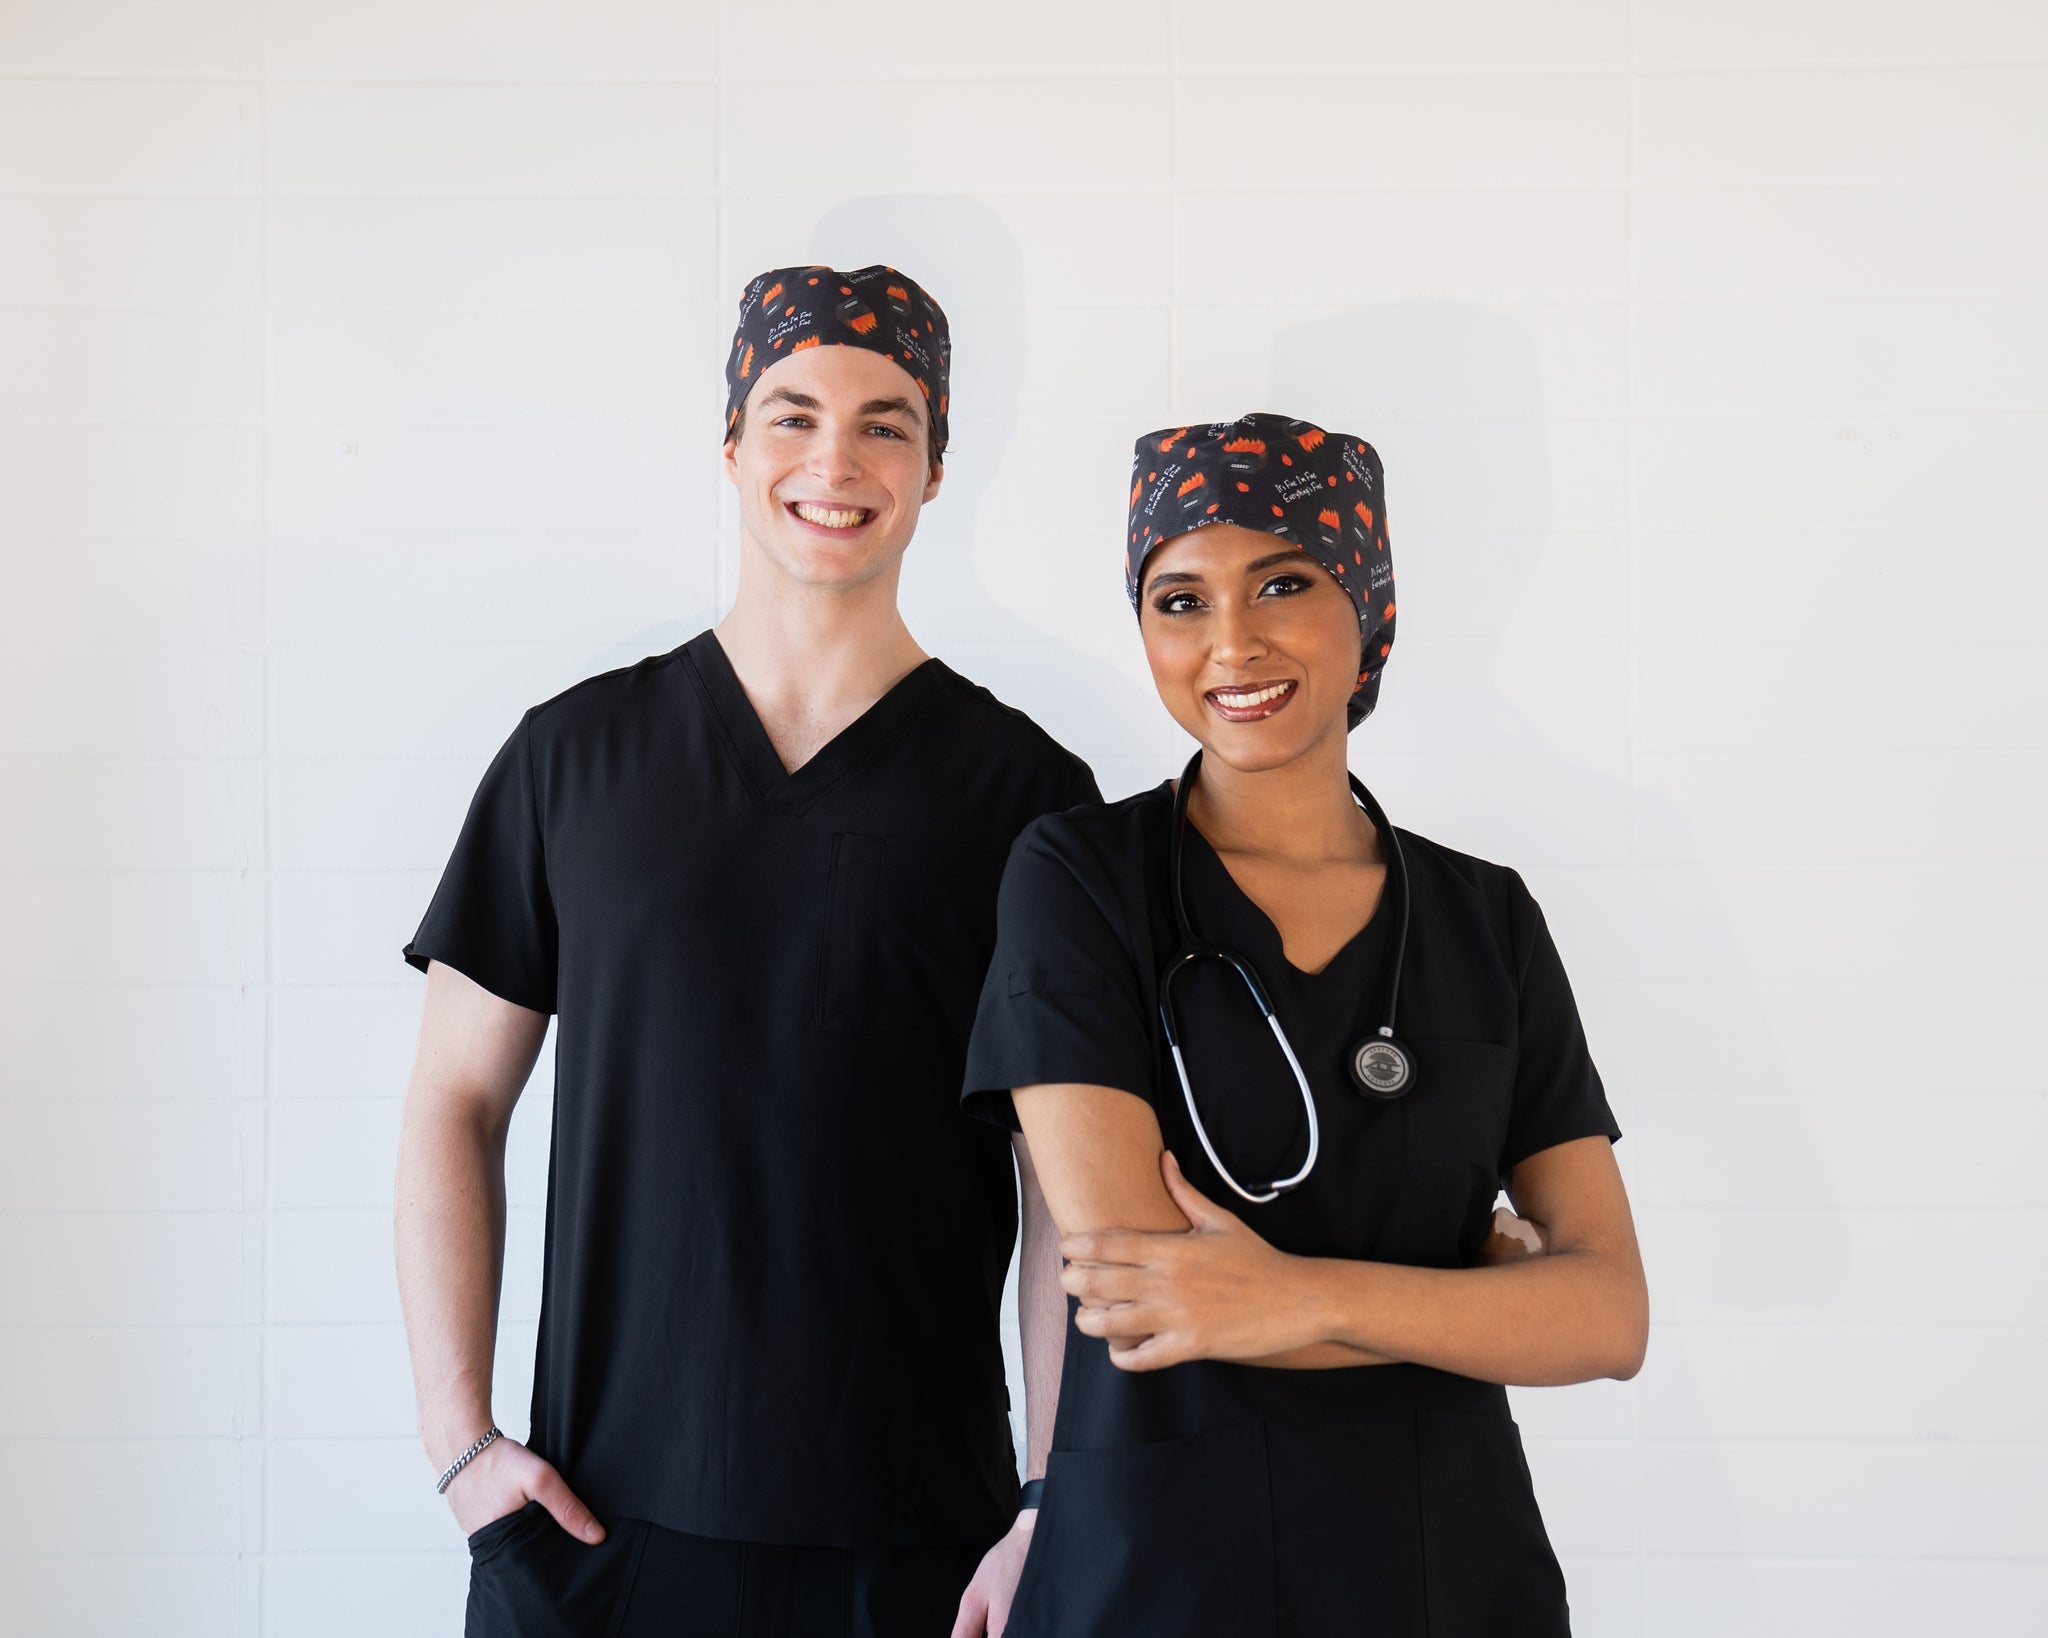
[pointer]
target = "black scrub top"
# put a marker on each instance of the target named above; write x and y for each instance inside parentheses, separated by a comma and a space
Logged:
(1242, 1501)
(775, 1250)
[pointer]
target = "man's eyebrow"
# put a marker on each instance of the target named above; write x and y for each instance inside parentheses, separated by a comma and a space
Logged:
(789, 395)
(889, 406)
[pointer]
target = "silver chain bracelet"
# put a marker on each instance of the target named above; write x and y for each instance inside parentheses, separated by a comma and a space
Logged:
(495, 1433)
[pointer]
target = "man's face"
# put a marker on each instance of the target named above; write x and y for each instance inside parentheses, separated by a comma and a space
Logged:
(832, 466)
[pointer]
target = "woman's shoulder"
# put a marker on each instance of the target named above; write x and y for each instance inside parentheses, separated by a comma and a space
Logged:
(1484, 884)
(1099, 834)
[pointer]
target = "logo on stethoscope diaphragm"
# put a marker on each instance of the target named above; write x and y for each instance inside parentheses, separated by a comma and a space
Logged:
(1380, 1067)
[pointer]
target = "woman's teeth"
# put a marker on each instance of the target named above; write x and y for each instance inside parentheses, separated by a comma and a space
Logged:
(1240, 699)
(828, 518)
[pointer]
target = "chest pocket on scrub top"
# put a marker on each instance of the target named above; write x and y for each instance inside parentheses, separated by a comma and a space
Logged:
(909, 928)
(1455, 1120)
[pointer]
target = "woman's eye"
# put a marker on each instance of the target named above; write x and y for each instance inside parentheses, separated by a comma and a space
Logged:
(1177, 603)
(1284, 585)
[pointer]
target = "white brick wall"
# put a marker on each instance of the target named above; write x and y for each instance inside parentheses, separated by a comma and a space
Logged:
(358, 379)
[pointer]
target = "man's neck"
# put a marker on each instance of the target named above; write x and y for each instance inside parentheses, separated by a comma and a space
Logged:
(811, 660)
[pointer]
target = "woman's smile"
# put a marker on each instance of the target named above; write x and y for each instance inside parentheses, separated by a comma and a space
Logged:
(1251, 702)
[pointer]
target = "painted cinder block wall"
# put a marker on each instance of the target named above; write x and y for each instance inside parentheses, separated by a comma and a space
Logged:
(359, 379)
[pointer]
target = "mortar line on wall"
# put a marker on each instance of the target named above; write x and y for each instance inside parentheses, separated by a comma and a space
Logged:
(1628, 574)
(1173, 209)
(268, 818)
(718, 217)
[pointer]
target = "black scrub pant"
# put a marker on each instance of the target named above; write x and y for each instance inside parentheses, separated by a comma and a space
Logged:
(529, 1578)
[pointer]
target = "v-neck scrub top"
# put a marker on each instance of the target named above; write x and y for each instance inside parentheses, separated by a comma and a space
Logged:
(775, 1250)
(1243, 1501)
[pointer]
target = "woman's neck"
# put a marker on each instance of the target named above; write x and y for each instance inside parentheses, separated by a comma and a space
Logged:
(1301, 813)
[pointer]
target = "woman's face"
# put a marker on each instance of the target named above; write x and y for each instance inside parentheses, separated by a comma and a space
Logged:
(1253, 646)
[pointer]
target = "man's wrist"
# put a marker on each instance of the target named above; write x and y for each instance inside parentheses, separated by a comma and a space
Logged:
(1028, 1495)
(470, 1453)
(450, 1433)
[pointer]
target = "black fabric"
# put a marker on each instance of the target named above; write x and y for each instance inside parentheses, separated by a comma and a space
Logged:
(530, 1579)
(775, 1252)
(1382, 1499)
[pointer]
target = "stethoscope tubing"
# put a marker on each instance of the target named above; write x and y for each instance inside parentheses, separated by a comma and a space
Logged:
(1195, 949)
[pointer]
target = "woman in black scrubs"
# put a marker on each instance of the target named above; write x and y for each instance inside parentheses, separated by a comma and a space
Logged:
(1282, 1412)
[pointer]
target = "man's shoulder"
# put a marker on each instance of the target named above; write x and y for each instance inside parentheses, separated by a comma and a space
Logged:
(645, 685)
(1006, 730)
(1101, 838)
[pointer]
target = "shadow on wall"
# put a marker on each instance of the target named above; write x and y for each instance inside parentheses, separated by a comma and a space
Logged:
(967, 256)
(1494, 594)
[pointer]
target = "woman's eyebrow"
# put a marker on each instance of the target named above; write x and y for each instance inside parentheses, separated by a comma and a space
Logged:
(1173, 578)
(1272, 558)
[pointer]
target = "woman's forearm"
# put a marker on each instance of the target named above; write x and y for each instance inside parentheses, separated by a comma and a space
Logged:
(1566, 1316)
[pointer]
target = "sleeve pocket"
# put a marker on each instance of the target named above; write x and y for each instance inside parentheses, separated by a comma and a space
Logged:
(1036, 981)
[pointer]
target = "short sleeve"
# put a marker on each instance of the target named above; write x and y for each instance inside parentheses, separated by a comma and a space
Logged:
(492, 918)
(1061, 1003)
(1085, 794)
(1558, 1092)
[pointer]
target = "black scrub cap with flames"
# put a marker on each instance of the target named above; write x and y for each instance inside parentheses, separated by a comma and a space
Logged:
(1323, 492)
(790, 308)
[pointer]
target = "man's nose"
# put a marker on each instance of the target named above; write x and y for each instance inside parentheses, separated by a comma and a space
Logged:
(836, 459)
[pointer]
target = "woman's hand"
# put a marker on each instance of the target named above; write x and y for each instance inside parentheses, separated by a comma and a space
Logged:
(1213, 1291)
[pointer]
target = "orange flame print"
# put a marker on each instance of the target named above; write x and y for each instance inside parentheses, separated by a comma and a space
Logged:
(1309, 440)
(1245, 446)
(1194, 483)
(862, 325)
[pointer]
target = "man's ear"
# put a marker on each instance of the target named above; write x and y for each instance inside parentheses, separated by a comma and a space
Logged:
(936, 477)
(731, 460)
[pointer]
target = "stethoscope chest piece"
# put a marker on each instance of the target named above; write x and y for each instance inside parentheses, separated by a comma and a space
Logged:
(1382, 1068)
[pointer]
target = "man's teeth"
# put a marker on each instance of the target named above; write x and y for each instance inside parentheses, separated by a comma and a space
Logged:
(1239, 699)
(825, 517)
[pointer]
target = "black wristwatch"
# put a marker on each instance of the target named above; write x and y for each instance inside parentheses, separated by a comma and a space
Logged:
(1028, 1494)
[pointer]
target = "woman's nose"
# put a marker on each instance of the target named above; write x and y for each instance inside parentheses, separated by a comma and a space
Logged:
(1236, 635)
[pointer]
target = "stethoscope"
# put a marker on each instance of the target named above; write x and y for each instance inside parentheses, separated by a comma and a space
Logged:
(1381, 1067)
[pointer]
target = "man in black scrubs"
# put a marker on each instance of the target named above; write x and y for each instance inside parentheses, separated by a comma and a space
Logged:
(755, 881)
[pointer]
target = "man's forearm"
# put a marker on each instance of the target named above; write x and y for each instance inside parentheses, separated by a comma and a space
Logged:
(1041, 1317)
(450, 1237)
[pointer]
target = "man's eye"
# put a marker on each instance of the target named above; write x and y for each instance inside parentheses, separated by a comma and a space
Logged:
(792, 421)
(883, 427)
